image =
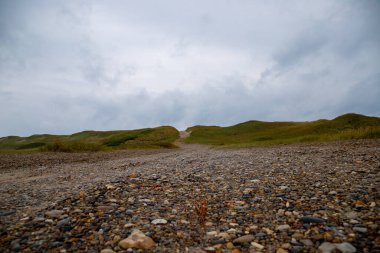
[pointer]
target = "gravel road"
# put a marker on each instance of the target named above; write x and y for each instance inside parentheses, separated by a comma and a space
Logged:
(293, 198)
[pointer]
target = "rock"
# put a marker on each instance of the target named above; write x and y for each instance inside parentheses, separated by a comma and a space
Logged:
(15, 245)
(212, 233)
(244, 239)
(352, 215)
(260, 235)
(6, 213)
(257, 245)
(49, 221)
(138, 240)
(332, 193)
(281, 250)
(283, 227)
(63, 222)
(159, 221)
(346, 247)
(129, 225)
(196, 250)
(230, 245)
(307, 242)
(309, 219)
(326, 247)
(54, 213)
(107, 251)
(231, 231)
(110, 187)
(283, 187)
(208, 224)
(116, 239)
(210, 249)
(360, 229)
(39, 219)
(105, 208)
(297, 249)
(286, 245)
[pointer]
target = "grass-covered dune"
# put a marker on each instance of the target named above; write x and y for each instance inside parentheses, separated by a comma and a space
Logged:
(251, 133)
(159, 137)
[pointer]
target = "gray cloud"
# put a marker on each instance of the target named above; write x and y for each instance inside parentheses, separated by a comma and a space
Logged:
(74, 65)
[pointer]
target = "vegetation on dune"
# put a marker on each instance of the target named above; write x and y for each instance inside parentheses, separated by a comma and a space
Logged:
(251, 133)
(160, 137)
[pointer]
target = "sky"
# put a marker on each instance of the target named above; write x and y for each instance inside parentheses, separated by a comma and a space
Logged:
(68, 66)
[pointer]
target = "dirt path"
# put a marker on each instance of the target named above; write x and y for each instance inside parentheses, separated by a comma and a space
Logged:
(250, 191)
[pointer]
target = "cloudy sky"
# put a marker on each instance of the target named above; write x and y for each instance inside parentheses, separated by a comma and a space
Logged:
(68, 66)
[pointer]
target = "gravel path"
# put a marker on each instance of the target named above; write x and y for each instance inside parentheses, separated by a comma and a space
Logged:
(294, 198)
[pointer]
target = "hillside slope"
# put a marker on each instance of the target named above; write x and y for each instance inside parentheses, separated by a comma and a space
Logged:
(159, 137)
(348, 126)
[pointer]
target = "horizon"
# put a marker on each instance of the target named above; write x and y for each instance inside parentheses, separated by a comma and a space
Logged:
(76, 65)
(184, 129)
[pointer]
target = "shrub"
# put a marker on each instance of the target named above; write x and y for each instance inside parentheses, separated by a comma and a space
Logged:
(31, 145)
(116, 141)
(72, 147)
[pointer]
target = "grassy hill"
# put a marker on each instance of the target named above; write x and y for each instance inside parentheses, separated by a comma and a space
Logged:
(251, 133)
(160, 137)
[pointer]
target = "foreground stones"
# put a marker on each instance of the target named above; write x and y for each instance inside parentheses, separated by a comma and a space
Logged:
(138, 240)
(301, 198)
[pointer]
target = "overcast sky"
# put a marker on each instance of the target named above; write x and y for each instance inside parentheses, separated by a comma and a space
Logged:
(68, 66)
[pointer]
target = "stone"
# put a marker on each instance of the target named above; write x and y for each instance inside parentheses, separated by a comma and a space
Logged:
(283, 227)
(110, 187)
(352, 215)
(326, 247)
(159, 221)
(307, 242)
(54, 213)
(63, 222)
(116, 239)
(260, 235)
(210, 249)
(196, 250)
(107, 251)
(129, 225)
(104, 208)
(137, 239)
(244, 239)
(212, 233)
(6, 213)
(286, 245)
(257, 245)
(15, 245)
(224, 235)
(360, 229)
(281, 250)
(309, 219)
(230, 245)
(346, 247)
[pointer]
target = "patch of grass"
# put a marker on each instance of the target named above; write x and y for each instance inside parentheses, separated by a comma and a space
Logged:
(147, 138)
(252, 133)
(117, 141)
(31, 145)
(72, 147)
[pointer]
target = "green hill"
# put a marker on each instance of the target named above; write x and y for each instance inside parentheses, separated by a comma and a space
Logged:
(159, 137)
(251, 133)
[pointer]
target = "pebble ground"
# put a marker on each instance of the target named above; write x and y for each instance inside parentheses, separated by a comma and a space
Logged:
(293, 198)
